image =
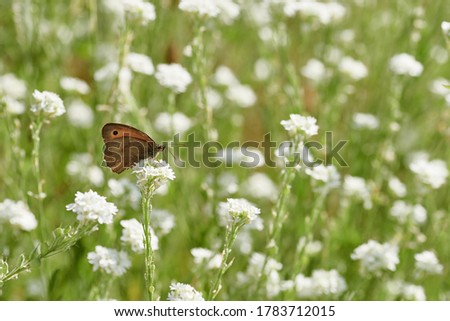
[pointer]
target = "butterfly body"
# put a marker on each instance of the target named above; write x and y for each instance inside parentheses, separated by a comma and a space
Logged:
(125, 146)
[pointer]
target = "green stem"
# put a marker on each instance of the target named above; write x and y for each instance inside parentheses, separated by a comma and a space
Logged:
(231, 235)
(36, 131)
(149, 261)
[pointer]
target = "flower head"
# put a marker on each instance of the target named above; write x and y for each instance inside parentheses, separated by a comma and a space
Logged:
(80, 114)
(357, 187)
(208, 8)
(369, 121)
(321, 283)
(302, 125)
(183, 292)
(173, 76)
(405, 212)
(133, 234)
(375, 257)
(153, 174)
(405, 64)
(139, 10)
(327, 174)
(353, 68)
(12, 87)
(170, 123)
(433, 173)
(240, 209)
(140, 63)
(90, 206)
(242, 95)
(48, 103)
(74, 84)
(428, 262)
(17, 214)
(109, 261)
(207, 257)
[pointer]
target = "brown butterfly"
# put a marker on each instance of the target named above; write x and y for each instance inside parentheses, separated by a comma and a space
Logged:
(125, 146)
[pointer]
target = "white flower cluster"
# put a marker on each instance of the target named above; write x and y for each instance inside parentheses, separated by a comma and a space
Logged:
(153, 172)
(398, 289)
(353, 68)
(133, 235)
(405, 212)
(274, 284)
(183, 292)
(405, 64)
(82, 167)
(327, 174)
(207, 258)
(12, 92)
(240, 94)
(439, 86)
(428, 262)
(356, 187)
(315, 70)
(260, 186)
(109, 261)
(47, 103)
(79, 114)
(240, 209)
(140, 63)
(17, 214)
(74, 84)
(305, 126)
(368, 121)
(169, 123)
(321, 284)
(173, 76)
(163, 221)
(226, 10)
(376, 257)
(325, 12)
(138, 10)
(125, 190)
(90, 206)
(433, 173)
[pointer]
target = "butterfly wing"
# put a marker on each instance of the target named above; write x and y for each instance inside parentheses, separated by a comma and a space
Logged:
(125, 146)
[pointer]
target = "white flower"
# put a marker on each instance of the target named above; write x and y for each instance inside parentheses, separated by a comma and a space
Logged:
(369, 121)
(321, 283)
(81, 166)
(224, 76)
(260, 186)
(140, 11)
(208, 8)
(140, 63)
(133, 234)
(183, 292)
(17, 214)
(13, 106)
(357, 187)
(428, 262)
(229, 10)
(405, 64)
(438, 87)
(206, 257)
(413, 292)
(172, 123)
(402, 290)
(242, 95)
(173, 76)
(433, 173)
(154, 173)
(80, 114)
(163, 220)
(397, 187)
(90, 206)
(213, 98)
(375, 257)
(262, 69)
(445, 26)
(405, 212)
(12, 86)
(74, 84)
(228, 183)
(324, 12)
(353, 68)
(126, 189)
(240, 208)
(256, 264)
(298, 124)
(47, 102)
(109, 261)
(314, 70)
(326, 174)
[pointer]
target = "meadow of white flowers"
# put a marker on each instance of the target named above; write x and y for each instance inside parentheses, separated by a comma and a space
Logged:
(372, 224)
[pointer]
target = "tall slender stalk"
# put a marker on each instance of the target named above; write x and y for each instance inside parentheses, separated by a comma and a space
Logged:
(148, 251)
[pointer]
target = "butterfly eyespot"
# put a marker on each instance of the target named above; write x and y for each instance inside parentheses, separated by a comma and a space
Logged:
(115, 132)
